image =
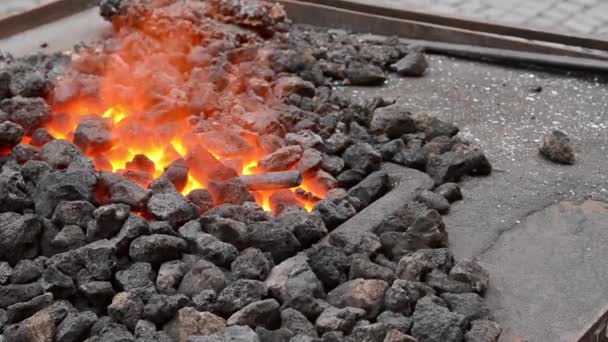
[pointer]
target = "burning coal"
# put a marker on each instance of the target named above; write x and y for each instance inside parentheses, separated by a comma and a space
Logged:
(179, 92)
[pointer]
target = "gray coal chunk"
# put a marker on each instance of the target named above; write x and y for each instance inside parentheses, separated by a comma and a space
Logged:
(449, 191)
(251, 264)
(434, 322)
(273, 238)
(40, 137)
(307, 228)
(413, 64)
(233, 191)
(14, 194)
(433, 201)
(294, 278)
(75, 327)
(177, 173)
(23, 153)
(362, 156)
(239, 294)
(417, 265)
(10, 134)
(402, 296)
(172, 207)
(29, 113)
(470, 272)
(433, 127)
(93, 135)
(335, 211)
(18, 293)
(330, 264)
(202, 199)
(483, 330)
(305, 139)
(235, 333)
(366, 269)
(134, 227)
(441, 282)
(463, 159)
(20, 311)
(226, 229)
(98, 293)
(110, 8)
(25, 271)
(157, 248)
(126, 308)
(123, 190)
(361, 242)
(161, 308)
(470, 305)
(60, 153)
(370, 332)
(202, 276)
(394, 121)
(395, 321)
(57, 283)
(58, 186)
(288, 85)
(558, 148)
(19, 236)
(281, 159)
(360, 293)
(337, 143)
(73, 213)
(371, 188)
(95, 261)
(107, 221)
(335, 319)
(169, 276)
(297, 323)
(137, 278)
(364, 74)
(263, 313)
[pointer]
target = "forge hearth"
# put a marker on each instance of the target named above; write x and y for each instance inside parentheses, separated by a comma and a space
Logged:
(195, 177)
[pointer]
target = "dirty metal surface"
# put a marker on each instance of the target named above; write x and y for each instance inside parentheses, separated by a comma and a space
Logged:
(501, 109)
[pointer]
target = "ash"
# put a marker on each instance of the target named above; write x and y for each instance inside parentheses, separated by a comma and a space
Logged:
(92, 252)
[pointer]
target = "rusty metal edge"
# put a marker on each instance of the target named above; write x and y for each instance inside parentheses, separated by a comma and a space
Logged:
(466, 23)
(333, 17)
(41, 15)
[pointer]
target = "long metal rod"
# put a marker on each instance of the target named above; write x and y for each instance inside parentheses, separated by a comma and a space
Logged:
(384, 8)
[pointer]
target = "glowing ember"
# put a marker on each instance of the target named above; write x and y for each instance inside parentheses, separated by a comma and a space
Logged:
(168, 72)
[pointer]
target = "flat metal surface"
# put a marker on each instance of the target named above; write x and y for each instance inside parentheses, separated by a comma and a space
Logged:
(392, 9)
(59, 35)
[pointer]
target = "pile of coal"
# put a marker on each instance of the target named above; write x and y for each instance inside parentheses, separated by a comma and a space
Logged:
(89, 255)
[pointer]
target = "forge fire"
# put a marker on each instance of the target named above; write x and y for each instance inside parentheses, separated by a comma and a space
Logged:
(174, 94)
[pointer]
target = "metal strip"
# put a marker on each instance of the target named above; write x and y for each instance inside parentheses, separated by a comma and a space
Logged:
(384, 8)
(326, 16)
(41, 15)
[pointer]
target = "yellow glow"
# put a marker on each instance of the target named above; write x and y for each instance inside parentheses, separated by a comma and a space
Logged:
(248, 169)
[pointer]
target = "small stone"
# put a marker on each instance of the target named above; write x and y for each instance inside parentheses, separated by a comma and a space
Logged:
(371, 188)
(483, 331)
(296, 322)
(365, 269)
(170, 275)
(307, 228)
(403, 295)
(40, 137)
(41, 327)
(189, 322)
(470, 305)
(360, 293)
(233, 191)
(395, 321)
(350, 178)
(19, 236)
(305, 138)
(337, 143)
(59, 284)
(334, 319)
(433, 201)
(161, 308)
(264, 313)
(239, 294)
(416, 265)
(114, 332)
(235, 333)
(73, 213)
(433, 127)
(157, 248)
(362, 156)
(29, 113)
(370, 332)
(93, 135)
(5, 272)
(273, 238)
(355, 242)
(98, 293)
(394, 121)
(364, 74)
(413, 64)
(310, 159)
(279, 335)
(25, 271)
(251, 264)
(202, 199)
(435, 323)
(449, 191)
(330, 264)
(398, 336)
(332, 164)
(126, 308)
(461, 160)
(137, 279)
(20, 311)
(107, 221)
(294, 278)
(172, 207)
(226, 229)
(70, 237)
(441, 282)
(558, 148)
(133, 227)
(10, 134)
(123, 190)
(207, 246)
(202, 276)
(281, 159)
(470, 272)
(75, 327)
(308, 305)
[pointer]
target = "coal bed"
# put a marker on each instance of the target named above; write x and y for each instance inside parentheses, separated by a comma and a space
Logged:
(193, 175)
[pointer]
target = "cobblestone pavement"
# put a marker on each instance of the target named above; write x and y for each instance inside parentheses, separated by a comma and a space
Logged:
(574, 16)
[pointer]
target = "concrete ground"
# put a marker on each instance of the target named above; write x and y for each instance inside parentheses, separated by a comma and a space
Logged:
(528, 222)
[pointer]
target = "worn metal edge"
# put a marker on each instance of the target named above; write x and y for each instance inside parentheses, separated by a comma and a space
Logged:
(360, 22)
(41, 15)
(397, 11)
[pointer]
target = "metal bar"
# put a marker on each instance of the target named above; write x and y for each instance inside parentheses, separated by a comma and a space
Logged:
(272, 180)
(384, 8)
(41, 15)
(321, 15)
